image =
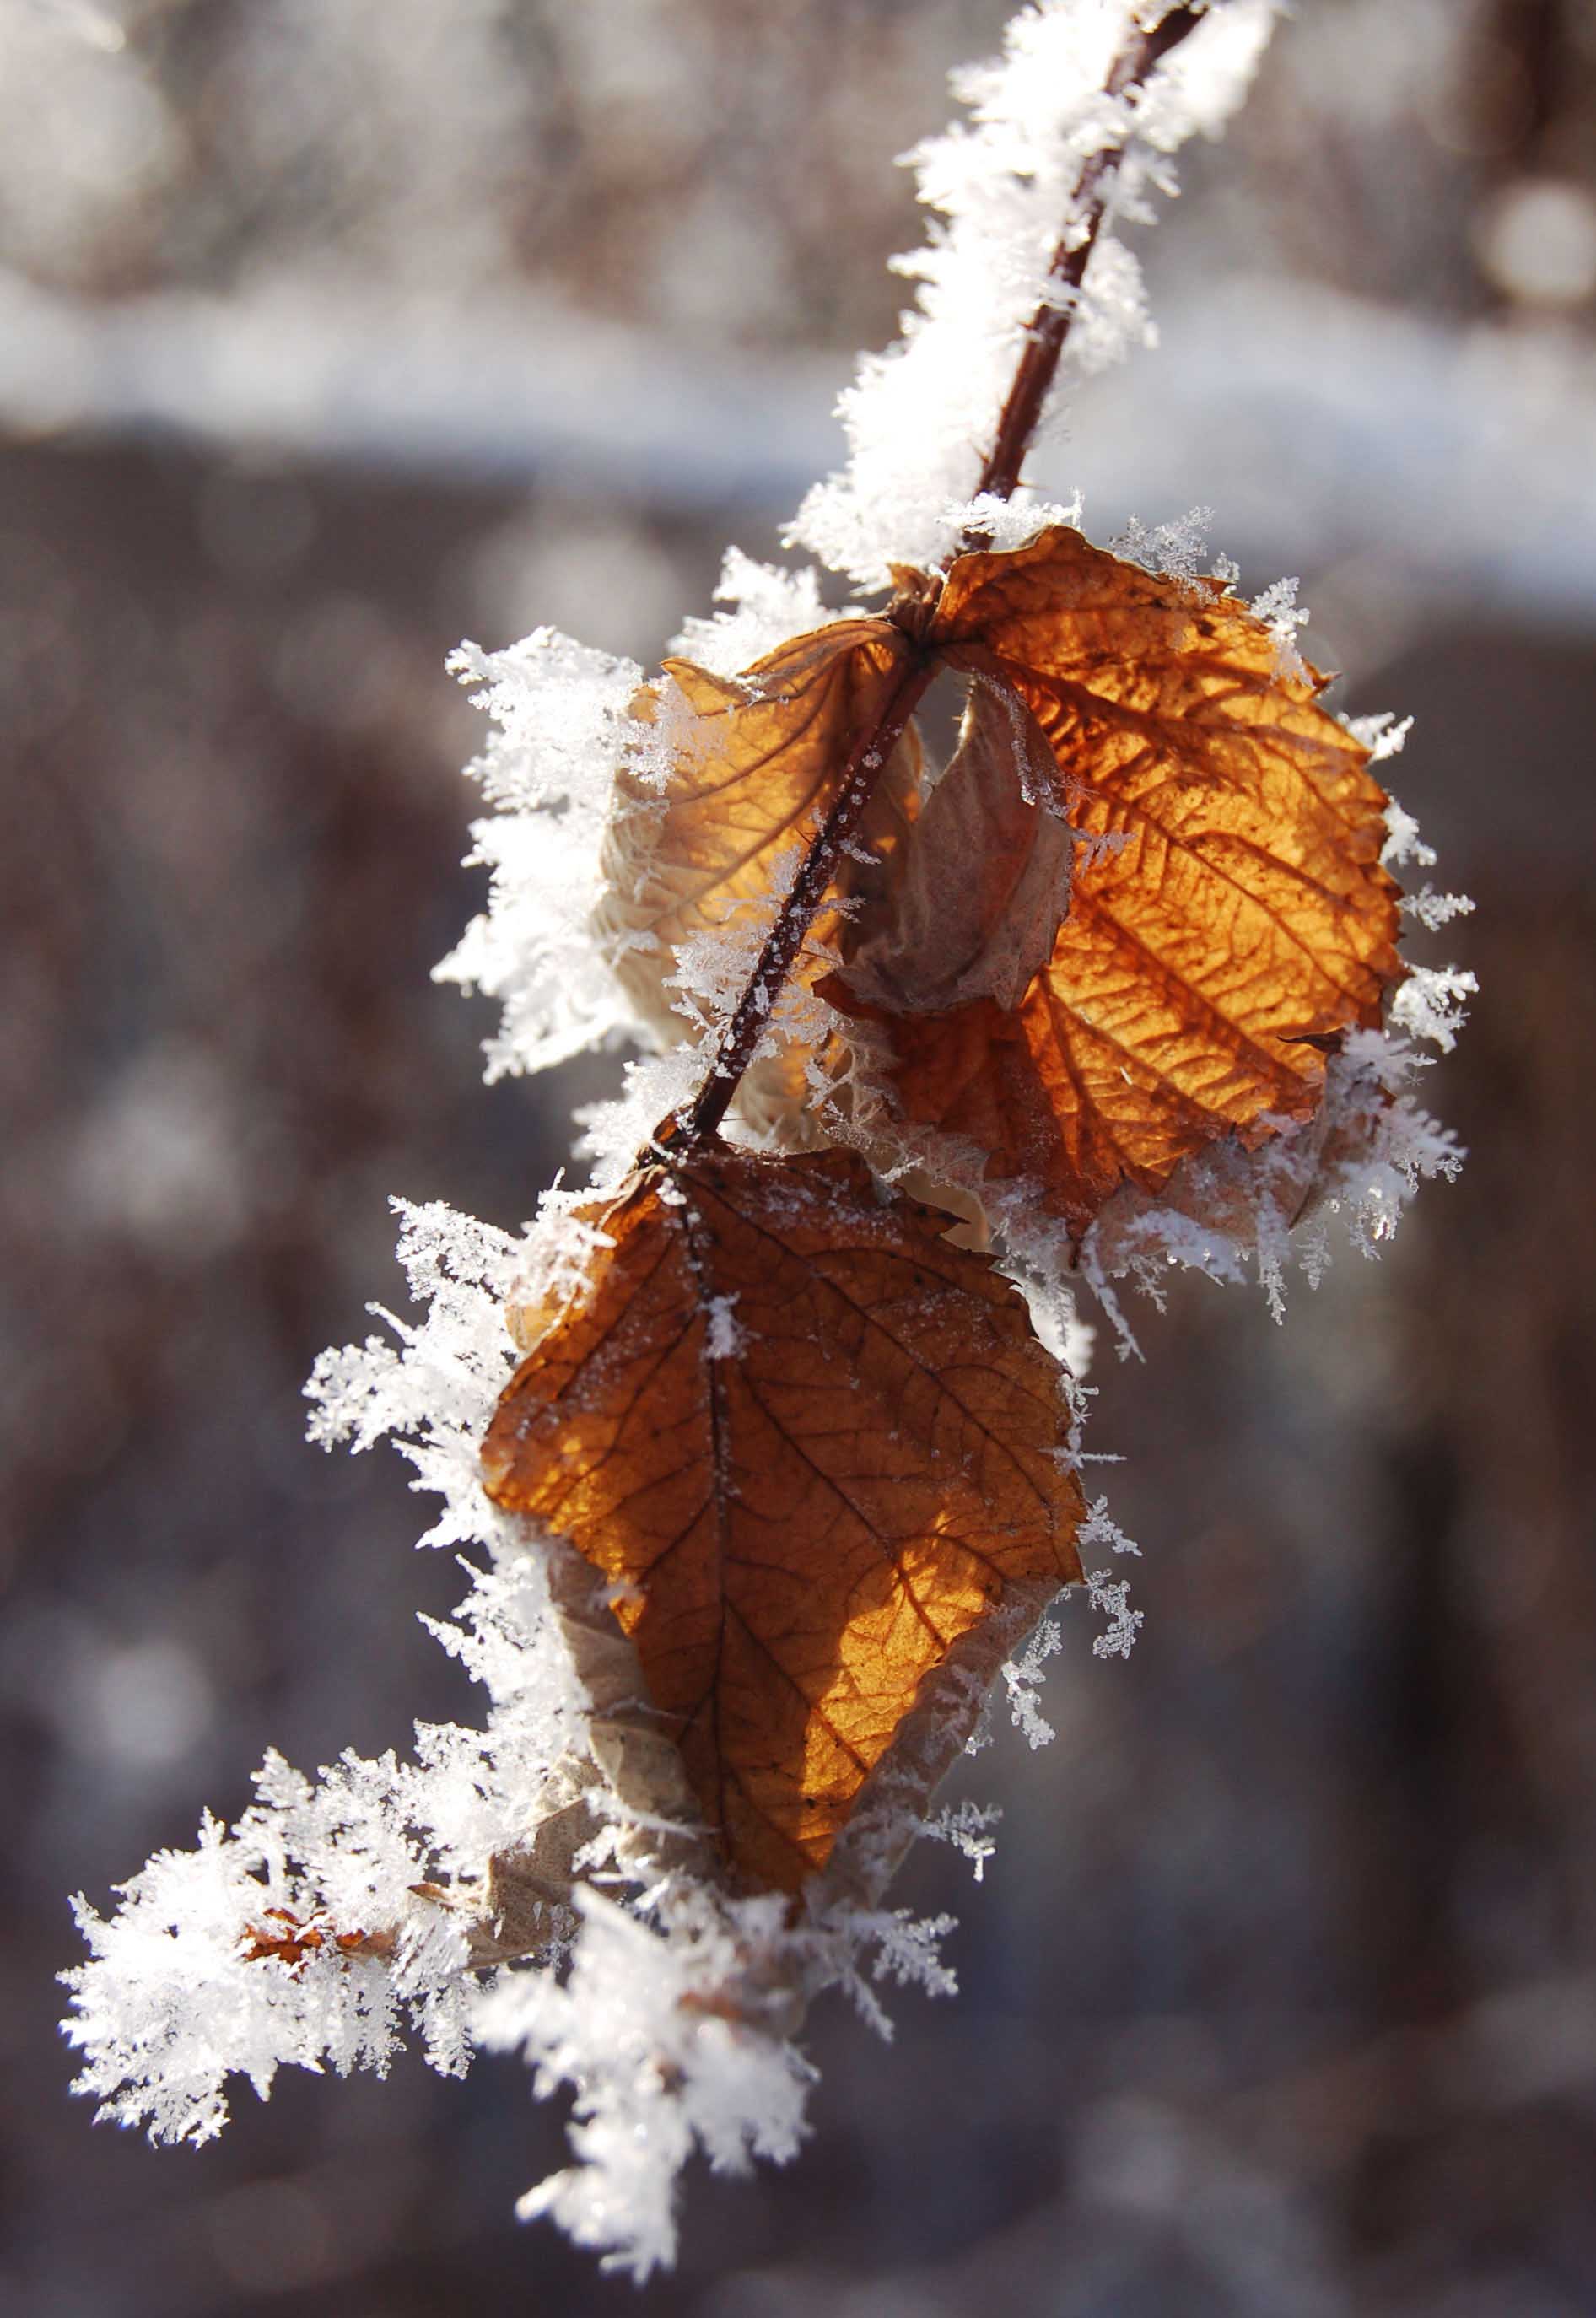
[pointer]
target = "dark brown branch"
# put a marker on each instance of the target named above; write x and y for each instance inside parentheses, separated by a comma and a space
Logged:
(1050, 325)
(1022, 411)
(866, 761)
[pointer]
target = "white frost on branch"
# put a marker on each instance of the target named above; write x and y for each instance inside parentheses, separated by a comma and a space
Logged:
(172, 2002)
(1013, 522)
(563, 726)
(657, 2070)
(1000, 186)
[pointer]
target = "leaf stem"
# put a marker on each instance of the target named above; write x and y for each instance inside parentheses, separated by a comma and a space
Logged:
(1033, 380)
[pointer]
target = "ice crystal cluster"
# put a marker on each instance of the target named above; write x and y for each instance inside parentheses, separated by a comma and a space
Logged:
(501, 1891)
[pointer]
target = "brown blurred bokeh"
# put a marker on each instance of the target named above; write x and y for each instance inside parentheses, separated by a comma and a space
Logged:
(332, 331)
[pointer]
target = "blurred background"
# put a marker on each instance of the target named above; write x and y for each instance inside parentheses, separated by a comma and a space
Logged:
(333, 330)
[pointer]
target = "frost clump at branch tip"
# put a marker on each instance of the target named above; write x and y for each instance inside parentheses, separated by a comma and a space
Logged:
(177, 1995)
(921, 417)
(171, 2002)
(655, 2074)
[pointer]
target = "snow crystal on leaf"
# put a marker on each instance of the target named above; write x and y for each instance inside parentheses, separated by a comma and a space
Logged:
(726, 1336)
(969, 1828)
(1283, 615)
(1178, 548)
(1384, 734)
(653, 1087)
(1432, 910)
(1111, 1598)
(1430, 1004)
(433, 1390)
(1022, 1678)
(1402, 841)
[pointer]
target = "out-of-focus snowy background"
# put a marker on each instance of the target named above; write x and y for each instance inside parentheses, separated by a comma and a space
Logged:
(332, 330)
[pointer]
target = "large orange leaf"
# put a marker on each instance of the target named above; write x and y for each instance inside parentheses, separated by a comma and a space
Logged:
(1228, 915)
(702, 831)
(813, 1444)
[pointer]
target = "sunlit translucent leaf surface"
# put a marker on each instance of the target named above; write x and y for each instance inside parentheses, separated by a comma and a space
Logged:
(1228, 915)
(708, 826)
(813, 1444)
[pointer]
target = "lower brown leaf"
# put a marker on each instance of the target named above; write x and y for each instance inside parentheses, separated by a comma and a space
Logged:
(813, 1444)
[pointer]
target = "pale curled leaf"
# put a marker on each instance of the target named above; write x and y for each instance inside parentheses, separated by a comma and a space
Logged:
(1228, 916)
(975, 899)
(801, 1528)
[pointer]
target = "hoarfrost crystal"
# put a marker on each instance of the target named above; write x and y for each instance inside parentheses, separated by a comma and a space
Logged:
(517, 1887)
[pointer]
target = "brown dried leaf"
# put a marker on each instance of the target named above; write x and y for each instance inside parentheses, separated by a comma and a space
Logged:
(813, 1445)
(1230, 916)
(974, 907)
(756, 762)
(300, 1939)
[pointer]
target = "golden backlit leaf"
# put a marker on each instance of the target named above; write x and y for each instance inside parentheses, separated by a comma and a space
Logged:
(1227, 915)
(754, 763)
(293, 1940)
(813, 1444)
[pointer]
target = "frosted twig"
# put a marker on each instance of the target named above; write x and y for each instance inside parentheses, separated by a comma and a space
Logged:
(913, 608)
